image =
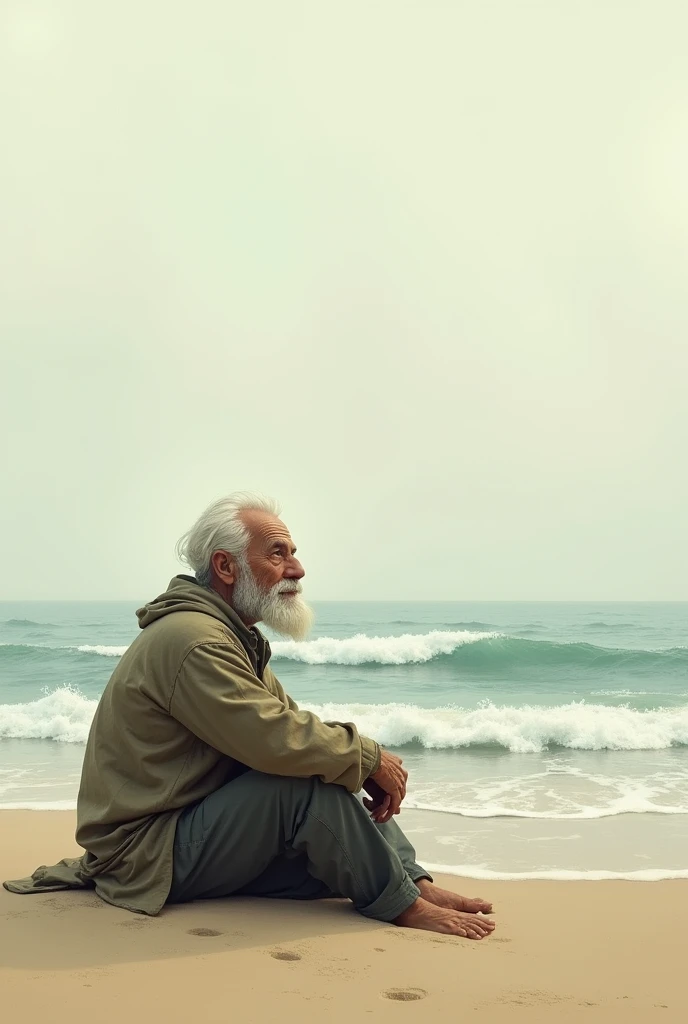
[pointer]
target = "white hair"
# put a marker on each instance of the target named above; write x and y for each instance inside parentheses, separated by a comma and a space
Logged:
(220, 528)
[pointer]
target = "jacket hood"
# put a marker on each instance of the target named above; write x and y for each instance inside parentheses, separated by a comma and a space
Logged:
(184, 594)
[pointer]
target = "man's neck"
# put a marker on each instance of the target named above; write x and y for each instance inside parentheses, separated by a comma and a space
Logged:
(225, 591)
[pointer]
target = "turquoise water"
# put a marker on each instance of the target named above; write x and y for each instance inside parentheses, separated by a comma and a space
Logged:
(513, 719)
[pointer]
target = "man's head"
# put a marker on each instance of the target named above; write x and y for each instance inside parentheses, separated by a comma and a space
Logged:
(240, 548)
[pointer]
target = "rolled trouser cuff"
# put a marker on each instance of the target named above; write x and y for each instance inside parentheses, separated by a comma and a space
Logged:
(388, 907)
(416, 873)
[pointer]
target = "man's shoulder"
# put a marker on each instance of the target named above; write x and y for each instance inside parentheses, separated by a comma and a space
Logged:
(182, 631)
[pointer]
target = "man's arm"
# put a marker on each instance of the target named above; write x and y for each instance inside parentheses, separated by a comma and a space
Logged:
(386, 790)
(217, 696)
(273, 684)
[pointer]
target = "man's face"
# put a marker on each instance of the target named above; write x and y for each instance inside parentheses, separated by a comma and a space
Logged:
(271, 553)
(268, 587)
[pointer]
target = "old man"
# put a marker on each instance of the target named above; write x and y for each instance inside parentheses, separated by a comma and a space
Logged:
(202, 777)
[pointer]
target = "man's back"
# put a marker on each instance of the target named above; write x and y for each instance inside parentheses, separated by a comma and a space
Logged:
(142, 766)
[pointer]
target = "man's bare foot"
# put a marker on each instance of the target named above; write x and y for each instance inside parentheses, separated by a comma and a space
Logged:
(431, 918)
(451, 900)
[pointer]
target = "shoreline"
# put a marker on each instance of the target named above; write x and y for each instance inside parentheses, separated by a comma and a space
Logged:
(624, 847)
(599, 952)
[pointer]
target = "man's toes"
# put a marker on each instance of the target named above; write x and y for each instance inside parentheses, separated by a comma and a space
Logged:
(486, 922)
(473, 928)
(473, 906)
(477, 906)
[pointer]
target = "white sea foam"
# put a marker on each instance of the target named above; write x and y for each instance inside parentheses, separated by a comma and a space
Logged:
(556, 787)
(526, 729)
(39, 805)
(383, 650)
(471, 649)
(410, 648)
(102, 649)
(66, 715)
(63, 715)
(585, 814)
(558, 875)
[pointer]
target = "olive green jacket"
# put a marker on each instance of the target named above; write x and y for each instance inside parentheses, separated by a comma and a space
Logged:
(191, 704)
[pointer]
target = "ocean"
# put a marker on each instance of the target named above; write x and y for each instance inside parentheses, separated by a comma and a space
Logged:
(542, 740)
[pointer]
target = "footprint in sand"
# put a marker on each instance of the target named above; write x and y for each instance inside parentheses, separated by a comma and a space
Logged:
(203, 931)
(284, 955)
(405, 995)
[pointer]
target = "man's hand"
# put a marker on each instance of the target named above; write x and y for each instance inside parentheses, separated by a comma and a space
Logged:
(386, 788)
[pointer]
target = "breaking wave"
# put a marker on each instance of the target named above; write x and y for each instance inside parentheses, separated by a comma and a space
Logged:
(65, 715)
(411, 648)
(488, 653)
(26, 623)
(522, 730)
(103, 650)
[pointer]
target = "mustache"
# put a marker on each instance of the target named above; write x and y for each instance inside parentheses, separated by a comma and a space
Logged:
(289, 587)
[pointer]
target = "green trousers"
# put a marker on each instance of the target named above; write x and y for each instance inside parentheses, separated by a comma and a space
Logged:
(266, 835)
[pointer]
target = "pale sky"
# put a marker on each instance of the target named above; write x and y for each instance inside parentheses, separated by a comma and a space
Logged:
(417, 268)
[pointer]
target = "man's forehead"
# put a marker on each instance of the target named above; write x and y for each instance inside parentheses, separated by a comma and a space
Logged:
(264, 525)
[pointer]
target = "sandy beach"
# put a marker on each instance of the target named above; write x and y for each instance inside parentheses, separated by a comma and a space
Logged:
(593, 951)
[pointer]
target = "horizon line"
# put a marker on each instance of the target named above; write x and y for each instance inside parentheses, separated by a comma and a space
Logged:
(372, 600)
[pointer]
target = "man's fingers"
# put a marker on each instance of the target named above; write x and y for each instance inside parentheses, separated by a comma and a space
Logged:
(401, 784)
(386, 811)
(380, 812)
(390, 778)
(398, 786)
(383, 818)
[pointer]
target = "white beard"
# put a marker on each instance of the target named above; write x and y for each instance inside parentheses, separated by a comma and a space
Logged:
(288, 616)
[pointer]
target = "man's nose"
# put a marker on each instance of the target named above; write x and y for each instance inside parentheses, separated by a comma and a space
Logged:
(294, 571)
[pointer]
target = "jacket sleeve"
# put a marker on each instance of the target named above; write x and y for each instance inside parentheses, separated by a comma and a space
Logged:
(273, 684)
(218, 697)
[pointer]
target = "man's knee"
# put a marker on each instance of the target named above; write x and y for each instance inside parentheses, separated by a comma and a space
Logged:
(287, 784)
(337, 800)
(300, 791)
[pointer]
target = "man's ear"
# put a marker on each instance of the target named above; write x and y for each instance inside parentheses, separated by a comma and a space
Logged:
(225, 567)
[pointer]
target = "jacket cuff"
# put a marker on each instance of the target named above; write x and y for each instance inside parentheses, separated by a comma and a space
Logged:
(371, 755)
